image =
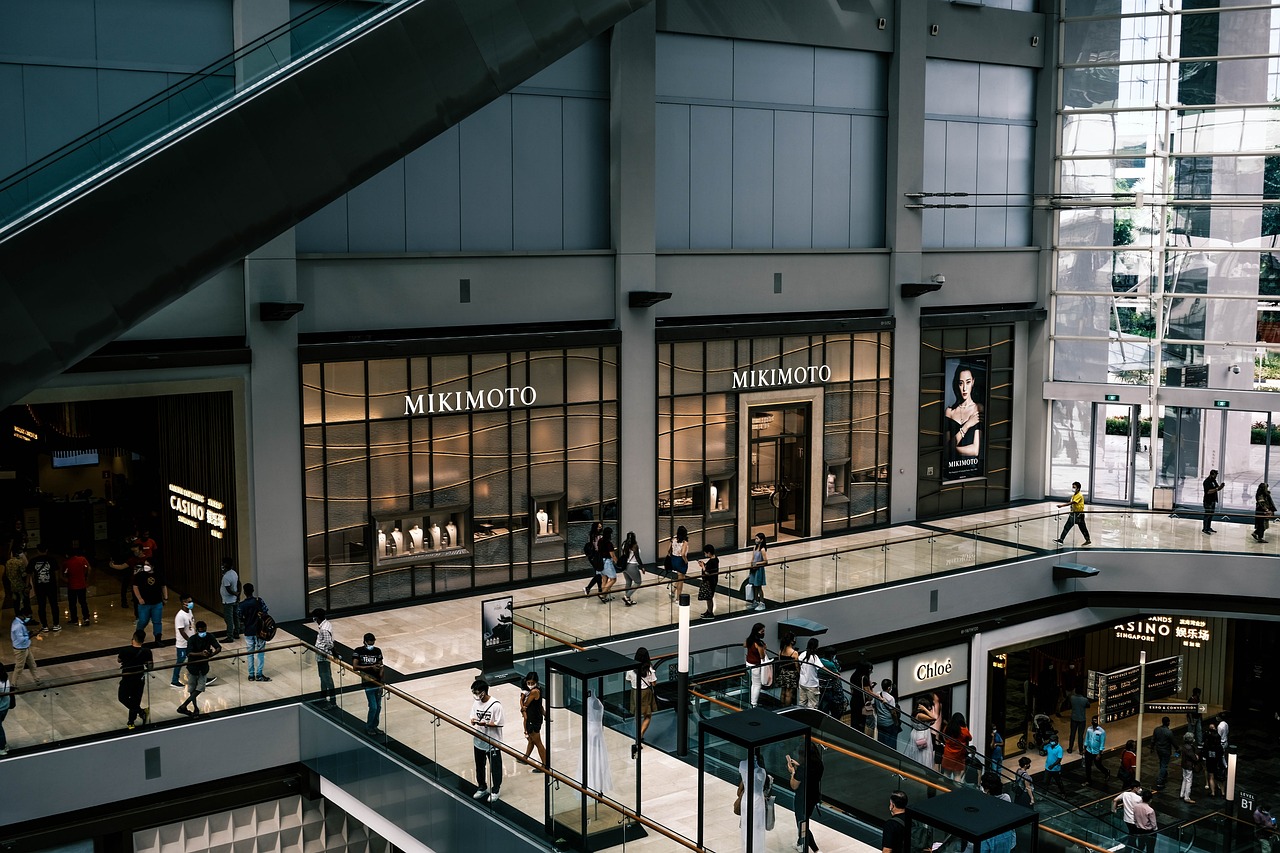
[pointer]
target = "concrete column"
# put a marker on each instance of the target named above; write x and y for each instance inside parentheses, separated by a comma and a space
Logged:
(632, 189)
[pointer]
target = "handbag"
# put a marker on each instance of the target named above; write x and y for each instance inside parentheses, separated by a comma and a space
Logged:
(749, 592)
(766, 672)
(922, 738)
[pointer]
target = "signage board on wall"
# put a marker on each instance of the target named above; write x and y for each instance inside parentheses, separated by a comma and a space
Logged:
(1117, 692)
(964, 430)
(1193, 632)
(497, 642)
(198, 511)
(937, 668)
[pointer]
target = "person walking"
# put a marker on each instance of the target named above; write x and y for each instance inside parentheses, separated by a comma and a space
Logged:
(229, 594)
(1075, 517)
(1162, 741)
(24, 657)
(810, 665)
(756, 653)
(995, 750)
(1079, 707)
(150, 594)
(1190, 764)
(184, 625)
(1128, 772)
(367, 661)
(7, 691)
(632, 567)
(250, 612)
(200, 649)
(531, 709)
(1053, 764)
(756, 579)
(1213, 754)
(808, 788)
(135, 662)
(1095, 741)
(1264, 509)
(609, 564)
(643, 681)
(1024, 785)
(487, 720)
(678, 561)
(888, 717)
(592, 552)
(76, 570)
(1211, 489)
(709, 580)
(324, 656)
(45, 584)
(893, 836)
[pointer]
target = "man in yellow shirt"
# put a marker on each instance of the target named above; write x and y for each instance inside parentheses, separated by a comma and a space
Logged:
(1076, 516)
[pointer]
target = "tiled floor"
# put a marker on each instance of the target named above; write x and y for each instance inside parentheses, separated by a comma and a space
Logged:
(420, 640)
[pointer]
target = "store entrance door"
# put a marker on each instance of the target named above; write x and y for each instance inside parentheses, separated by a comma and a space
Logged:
(778, 473)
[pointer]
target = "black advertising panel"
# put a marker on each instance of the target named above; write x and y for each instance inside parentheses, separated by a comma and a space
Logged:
(497, 649)
(1117, 692)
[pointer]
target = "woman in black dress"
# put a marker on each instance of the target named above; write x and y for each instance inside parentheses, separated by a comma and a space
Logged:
(806, 781)
(709, 581)
(531, 710)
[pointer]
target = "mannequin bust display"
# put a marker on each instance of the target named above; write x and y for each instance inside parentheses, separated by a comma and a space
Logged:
(397, 541)
(435, 536)
(415, 538)
(382, 542)
(544, 523)
(715, 497)
(451, 533)
(831, 484)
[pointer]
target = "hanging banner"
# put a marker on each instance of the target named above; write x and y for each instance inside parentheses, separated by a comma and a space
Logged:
(497, 649)
(964, 430)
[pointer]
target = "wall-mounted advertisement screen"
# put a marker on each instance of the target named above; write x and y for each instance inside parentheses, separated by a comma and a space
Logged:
(963, 424)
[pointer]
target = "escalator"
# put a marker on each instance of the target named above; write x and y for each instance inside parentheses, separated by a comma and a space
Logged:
(118, 224)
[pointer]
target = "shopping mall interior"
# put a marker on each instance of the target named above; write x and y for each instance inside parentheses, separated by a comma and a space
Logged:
(402, 308)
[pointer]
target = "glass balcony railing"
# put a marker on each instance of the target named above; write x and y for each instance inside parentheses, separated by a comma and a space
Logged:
(182, 105)
(873, 561)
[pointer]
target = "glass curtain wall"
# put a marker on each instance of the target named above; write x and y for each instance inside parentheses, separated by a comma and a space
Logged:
(1167, 213)
(440, 473)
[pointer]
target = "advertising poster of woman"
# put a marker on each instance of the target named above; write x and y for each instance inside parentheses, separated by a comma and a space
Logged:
(963, 428)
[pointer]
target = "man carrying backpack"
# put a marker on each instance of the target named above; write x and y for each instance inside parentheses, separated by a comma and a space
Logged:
(253, 615)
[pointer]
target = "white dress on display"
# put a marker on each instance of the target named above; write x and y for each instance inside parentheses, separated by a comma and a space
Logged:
(599, 774)
(756, 793)
(435, 536)
(415, 538)
(543, 522)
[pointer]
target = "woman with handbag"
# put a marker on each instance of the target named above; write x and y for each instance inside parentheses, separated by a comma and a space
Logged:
(609, 567)
(756, 659)
(642, 680)
(756, 580)
(761, 785)
(922, 733)
(678, 561)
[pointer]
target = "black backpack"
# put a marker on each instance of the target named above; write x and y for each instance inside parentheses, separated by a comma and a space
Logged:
(266, 627)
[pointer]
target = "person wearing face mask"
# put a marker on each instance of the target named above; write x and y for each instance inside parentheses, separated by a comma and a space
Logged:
(134, 662)
(184, 625)
(367, 660)
(324, 653)
(487, 719)
(200, 648)
(150, 593)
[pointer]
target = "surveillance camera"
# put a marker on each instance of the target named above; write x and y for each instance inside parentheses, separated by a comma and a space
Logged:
(1235, 368)
(940, 279)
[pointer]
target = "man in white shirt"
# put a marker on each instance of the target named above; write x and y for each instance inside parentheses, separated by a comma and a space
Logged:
(183, 627)
(487, 719)
(1223, 730)
(1128, 798)
(810, 664)
(229, 594)
(324, 649)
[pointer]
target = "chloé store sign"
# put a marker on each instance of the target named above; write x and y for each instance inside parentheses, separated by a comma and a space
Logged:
(466, 401)
(775, 377)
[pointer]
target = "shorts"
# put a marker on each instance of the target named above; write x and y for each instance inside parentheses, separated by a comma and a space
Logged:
(679, 565)
(195, 681)
(609, 570)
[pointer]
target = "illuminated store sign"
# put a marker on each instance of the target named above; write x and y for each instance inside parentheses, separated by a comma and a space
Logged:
(466, 401)
(1193, 633)
(776, 377)
(196, 510)
(934, 669)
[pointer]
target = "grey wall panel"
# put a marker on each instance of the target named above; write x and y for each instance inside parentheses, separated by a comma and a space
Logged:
(984, 278)
(951, 88)
(52, 30)
(189, 755)
(834, 281)
(959, 226)
(73, 91)
(1006, 91)
(793, 176)
(537, 191)
(832, 24)
(850, 78)
(13, 130)
(214, 309)
(190, 34)
(772, 73)
(993, 177)
(694, 67)
(935, 175)
(433, 195)
(672, 186)
(353, 294)
(375, 212)
(832, 184)
(119, 91)
(867, 181)
(584, 70)
(485, 144)
(586, 173)
(1021, 145)
(325, 230)
(711, 177)
(752, 179)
